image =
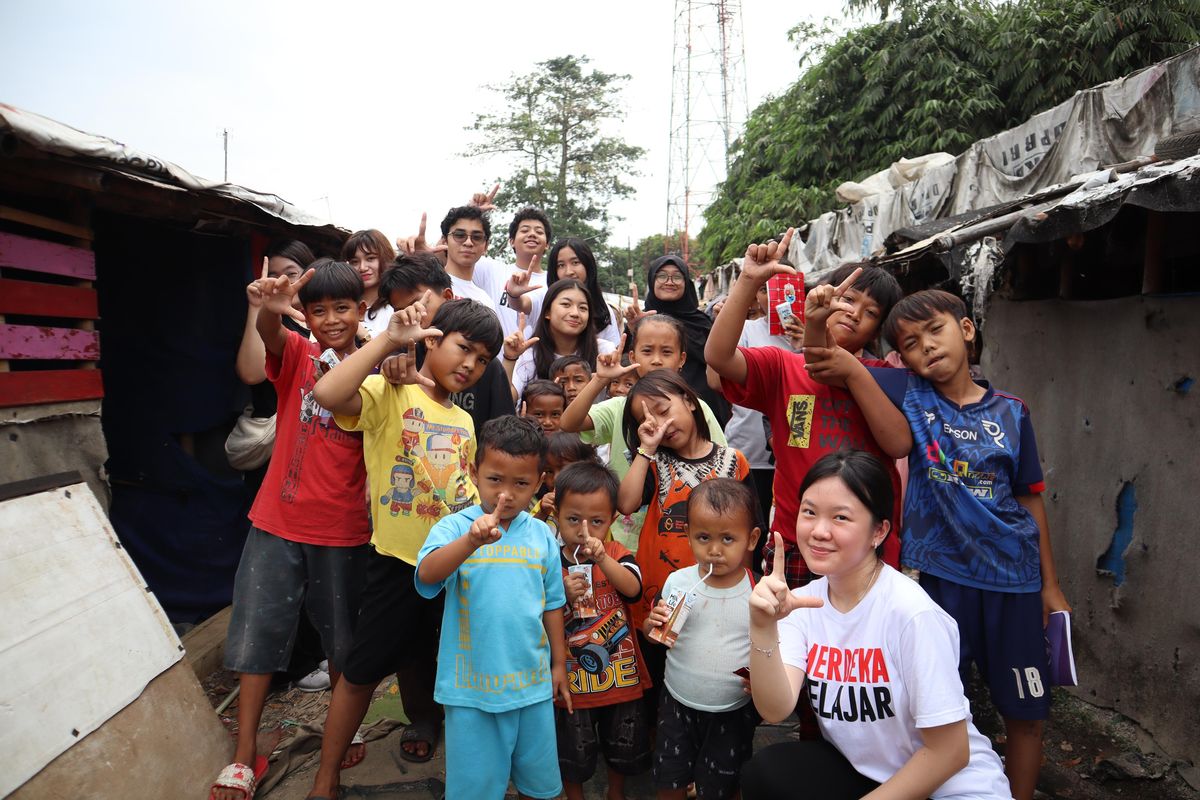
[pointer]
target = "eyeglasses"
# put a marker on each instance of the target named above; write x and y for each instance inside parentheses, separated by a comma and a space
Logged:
(668, 277)
(461, 236)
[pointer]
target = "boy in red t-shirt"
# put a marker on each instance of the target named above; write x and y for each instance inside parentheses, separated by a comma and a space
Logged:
(808, 419)
(307, 544)
(605, 670)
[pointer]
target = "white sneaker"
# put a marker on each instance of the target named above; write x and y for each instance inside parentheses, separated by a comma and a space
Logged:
(315, 681)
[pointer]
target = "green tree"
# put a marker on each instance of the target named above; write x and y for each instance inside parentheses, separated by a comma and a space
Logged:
(931, 75)
(655, 246)
(552, 127)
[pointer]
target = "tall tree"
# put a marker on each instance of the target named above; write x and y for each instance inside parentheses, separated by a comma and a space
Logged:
(552, 127)
(931, 75)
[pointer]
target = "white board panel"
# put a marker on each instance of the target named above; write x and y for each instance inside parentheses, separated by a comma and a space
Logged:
(80, 634)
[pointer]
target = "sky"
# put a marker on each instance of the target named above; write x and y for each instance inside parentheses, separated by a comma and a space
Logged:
(355, 111)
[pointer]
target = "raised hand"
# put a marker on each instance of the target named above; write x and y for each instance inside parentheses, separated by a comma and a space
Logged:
(608, 366)
(651, 432)
(821, 301)
(485, 201)
(547, 508)
(830, 365)
(793, 330)
(516, 343)
(277, 293)
(402, 368)
(593, 547)
(405, 324)
(633, 312)
(417, 244)
(520, 282)
(253, 290)
(771, 599)
(486, 529)
(762, 260)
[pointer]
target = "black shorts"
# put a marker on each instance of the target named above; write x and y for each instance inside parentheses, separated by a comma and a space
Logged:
(396, 626)
(618, 731)
(704, 747)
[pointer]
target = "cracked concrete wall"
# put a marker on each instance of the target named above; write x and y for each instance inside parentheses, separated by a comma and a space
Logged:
(1107, 385)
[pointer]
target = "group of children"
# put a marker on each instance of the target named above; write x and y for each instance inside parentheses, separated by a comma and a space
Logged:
(544, 512)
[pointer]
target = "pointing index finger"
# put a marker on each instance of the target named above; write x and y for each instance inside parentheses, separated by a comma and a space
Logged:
(421, 229)
(778, 566)
(492, 194)
(266, 267)
(846, 284)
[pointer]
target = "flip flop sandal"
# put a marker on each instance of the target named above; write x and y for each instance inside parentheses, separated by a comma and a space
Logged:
(240, 778)
(425, 732)
(357, 740)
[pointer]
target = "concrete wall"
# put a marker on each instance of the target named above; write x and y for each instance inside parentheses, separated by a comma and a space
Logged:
(1120, 446)
(57, 437)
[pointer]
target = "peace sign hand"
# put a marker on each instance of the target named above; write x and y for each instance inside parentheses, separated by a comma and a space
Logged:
(821, 301)
(608, 365)
(486, 529)
(633, 311)
(254, 290)
(762, 260)
(405, 324)
(516, 343)
(771, 599)
(651, 432)
(417, 244)
(484, 201)
(277, 293)
(520, 282)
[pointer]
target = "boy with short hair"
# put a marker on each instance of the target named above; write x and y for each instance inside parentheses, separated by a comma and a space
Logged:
(572, 373)
(307, 540)
(417, 445)
(413, 275)
(544, 401)
(604, 664)
(808, 419)
(975, 521)
(529, 235)
(465, 233)
(502, 656)
(706, 721)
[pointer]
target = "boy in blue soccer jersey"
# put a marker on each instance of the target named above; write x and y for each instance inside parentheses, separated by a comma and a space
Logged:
(974, 520)
(502, 657)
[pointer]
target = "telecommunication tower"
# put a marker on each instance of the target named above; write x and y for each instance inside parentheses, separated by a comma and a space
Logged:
(708, 108)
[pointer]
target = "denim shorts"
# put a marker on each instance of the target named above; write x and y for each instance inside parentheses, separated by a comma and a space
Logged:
(275, 578)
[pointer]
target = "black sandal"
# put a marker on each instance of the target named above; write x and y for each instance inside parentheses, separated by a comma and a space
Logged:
(426, 732)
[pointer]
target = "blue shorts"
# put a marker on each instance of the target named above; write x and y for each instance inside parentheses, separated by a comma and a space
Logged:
(484, 749)
(1002, 633)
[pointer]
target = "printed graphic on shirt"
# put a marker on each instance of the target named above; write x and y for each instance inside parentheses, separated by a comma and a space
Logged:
(800, 415)
(430, 469)
(314, 421)
(849, 684)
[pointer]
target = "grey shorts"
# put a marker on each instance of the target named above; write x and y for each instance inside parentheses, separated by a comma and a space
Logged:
(275, 578)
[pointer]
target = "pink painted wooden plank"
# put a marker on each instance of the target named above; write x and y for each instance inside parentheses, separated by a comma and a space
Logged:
(33, 341)
(38, 256)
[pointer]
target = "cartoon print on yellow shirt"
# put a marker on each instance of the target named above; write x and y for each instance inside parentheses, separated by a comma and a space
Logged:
(430, 469)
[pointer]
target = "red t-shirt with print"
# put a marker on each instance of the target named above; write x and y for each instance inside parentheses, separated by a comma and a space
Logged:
(315, 490)
(808, 420)
(604, 663)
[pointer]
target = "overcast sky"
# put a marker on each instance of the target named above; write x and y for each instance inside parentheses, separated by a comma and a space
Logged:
(354, 110)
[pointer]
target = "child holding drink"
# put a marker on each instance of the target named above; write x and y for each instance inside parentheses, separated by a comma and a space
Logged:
(605, 670)
(706, 721)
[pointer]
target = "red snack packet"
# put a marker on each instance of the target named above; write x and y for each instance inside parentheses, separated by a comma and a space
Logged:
(784, 293)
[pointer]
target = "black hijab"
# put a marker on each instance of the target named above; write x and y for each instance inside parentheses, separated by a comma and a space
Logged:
(698, 324)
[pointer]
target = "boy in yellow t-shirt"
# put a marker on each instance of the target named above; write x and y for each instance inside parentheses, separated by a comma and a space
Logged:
(417, 446)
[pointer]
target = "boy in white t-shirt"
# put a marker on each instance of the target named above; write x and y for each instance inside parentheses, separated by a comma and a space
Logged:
(706, 721)
(529, 234)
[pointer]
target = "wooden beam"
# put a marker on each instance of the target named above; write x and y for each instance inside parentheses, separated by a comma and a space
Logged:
(45, 223)
(205, 643)
(47, 300)
(36, 255)
(30, 388)
(57, 344)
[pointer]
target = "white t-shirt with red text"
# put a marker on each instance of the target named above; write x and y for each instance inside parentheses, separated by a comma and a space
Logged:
(879, 673)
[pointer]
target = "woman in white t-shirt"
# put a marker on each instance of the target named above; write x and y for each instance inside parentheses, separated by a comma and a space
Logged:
(880, 658)
(564, 328)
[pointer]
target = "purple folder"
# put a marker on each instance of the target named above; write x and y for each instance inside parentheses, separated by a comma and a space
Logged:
(1058, 643)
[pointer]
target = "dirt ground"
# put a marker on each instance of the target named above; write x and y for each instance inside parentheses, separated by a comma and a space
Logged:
(1090, 753)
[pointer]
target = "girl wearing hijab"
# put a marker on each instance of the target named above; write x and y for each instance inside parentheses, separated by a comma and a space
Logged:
(670, 290)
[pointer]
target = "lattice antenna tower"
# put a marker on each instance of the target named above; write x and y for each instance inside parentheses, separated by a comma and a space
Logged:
(708, 108)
